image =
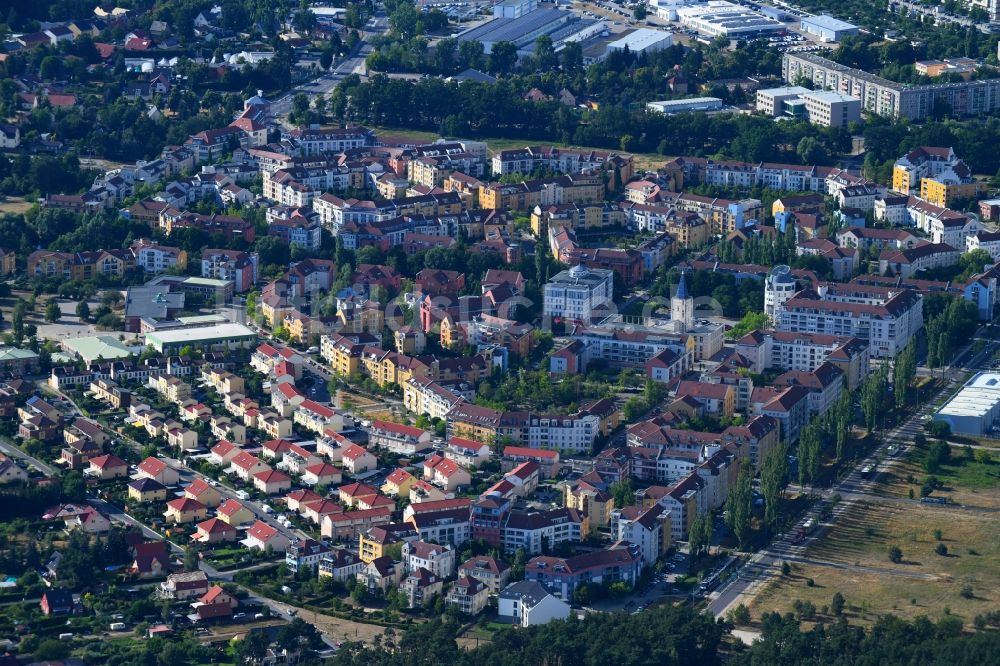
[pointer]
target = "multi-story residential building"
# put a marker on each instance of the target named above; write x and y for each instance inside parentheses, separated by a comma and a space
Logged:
(788, 406)
(824, 384)
(488, 570)
(620, 563)
(884, 318)
(316, 141)
(240, 267)
(530, 530)
(888, 98)
(398, 438)
(926, 256)
(526, 195)
(469, 595)
(426, 396)
(436, 558)
(153, 258)
(647, 528)
(577, 294)
(804, 352)
(936, 174)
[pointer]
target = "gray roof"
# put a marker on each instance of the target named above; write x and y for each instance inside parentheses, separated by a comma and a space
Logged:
(529, 592)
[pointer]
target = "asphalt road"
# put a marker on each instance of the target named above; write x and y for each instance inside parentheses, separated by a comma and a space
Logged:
(353, 64)
(8, 448)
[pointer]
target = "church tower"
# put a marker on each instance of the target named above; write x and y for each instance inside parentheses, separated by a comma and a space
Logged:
(682, 307)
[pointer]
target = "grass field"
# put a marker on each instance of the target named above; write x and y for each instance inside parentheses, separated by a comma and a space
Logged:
(969, 481)
(15, 205)
(643, 161)
(854, 557)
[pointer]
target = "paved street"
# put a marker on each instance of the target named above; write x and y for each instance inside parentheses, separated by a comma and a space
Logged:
(9, 449)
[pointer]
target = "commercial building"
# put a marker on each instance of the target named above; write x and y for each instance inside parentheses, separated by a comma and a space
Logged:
(889, 98)
(578, 293)
(220, 336)
(523, 28)
(823, 107)
(827, 28)
(718, 18)
(642, 40)
(831, 109)
(689, 104)
(771, 101)
(974, 409)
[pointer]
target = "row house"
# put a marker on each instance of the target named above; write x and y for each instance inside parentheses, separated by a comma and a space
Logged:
(346, 526)
(398, 438)
(80, 265)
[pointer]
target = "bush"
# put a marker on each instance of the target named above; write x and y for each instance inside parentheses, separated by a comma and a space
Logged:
(895, 554)
(837, 604)
(941, 550)
(967, 592)
(740, 615)
(786, 569)
(938, 535)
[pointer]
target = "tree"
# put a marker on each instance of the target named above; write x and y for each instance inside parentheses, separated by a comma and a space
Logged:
(809, 453)
(623, 492)
(326, 59)
(17, 320)
(895, 554)
(739, 615)
(903, 372)
(52, 311)
(300, 107)
(837, 604)
(253, 647)
(739, 504)
(191, 559)
(51, 650)
(83, 310)
(811, 151)
(503, 57)
(639, 12)
(700, 534)
(773, 479)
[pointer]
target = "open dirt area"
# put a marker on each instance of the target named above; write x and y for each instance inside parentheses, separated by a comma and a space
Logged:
(853, 559)
(16, 205)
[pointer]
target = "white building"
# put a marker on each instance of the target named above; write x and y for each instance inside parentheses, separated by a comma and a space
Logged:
(528, 604)
(718, 18)
(642, 40)
(832, 109)
(974, 409)
(576, 294)
(779, 286)
(687, 104)
(883, 317)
